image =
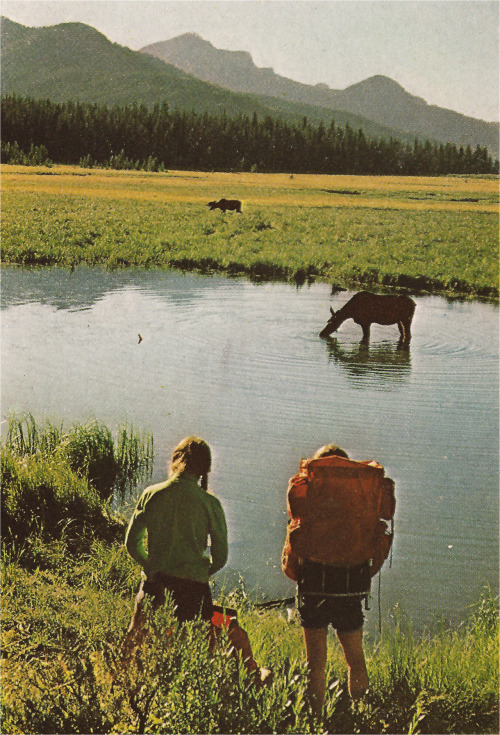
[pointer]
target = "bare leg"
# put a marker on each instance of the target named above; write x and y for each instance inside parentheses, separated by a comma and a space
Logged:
(241, 648)
(241, 644)
(352, 645)
(135, 633)
(316, 647)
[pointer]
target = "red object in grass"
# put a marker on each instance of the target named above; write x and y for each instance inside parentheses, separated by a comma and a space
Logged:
(223, 616)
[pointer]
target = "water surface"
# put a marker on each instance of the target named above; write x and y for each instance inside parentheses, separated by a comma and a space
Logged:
(241, 364)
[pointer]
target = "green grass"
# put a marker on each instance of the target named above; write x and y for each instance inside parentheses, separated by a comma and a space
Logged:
(59, 483)
(109, 463)
(434, 235)
(62, 630)
(68, 588)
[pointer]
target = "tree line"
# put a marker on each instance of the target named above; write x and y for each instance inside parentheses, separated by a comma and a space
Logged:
(157, 139)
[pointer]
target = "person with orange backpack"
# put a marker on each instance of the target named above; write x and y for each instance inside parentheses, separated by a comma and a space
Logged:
(337, 540)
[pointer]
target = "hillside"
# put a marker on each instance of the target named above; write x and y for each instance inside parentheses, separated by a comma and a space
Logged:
(378, 98)
(386, 102)
(72, 61)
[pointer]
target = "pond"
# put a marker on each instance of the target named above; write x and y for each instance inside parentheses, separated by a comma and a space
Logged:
(241, 364)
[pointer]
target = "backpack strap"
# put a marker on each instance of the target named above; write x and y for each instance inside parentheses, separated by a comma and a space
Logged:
(359, 595)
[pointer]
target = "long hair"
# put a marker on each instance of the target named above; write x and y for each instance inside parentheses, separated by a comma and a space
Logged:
(328, 450)
(192, 455)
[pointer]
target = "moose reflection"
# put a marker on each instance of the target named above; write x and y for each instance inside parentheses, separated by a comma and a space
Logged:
(388, 365)
(366, 308)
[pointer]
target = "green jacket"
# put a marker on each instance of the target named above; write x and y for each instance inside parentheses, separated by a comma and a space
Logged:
(178, 516)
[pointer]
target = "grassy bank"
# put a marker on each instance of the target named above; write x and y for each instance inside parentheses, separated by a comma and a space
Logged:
(68, 587)
(423, 234)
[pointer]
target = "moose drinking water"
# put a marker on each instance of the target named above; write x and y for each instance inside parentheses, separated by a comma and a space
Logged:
(365, 308)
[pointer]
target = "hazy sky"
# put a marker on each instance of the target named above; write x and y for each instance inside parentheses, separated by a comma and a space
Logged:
(446, 51)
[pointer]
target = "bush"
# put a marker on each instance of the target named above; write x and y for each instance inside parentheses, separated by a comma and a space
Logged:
(36, 156)
(108, 464)
(44, 497)
(56, 485)
(64, 672)
(90, 452)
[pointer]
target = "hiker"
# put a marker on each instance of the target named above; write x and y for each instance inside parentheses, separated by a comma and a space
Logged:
(332, 553)
(178, 516)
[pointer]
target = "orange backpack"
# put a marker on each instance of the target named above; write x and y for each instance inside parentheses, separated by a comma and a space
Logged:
(338, 510)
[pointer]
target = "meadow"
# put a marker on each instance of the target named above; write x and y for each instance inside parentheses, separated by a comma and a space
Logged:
(420, 233)
(68, 588)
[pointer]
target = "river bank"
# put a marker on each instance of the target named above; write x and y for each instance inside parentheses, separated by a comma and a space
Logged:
(424, 235)
(68, 587)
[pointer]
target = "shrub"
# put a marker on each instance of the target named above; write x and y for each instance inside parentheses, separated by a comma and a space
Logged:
(43, 496)
(108, 464)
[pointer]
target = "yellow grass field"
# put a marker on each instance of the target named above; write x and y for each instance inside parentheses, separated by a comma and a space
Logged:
(264, 190)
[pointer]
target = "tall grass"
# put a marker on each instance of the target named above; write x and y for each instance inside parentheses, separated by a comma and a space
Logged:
(25, 436)
(44, 497)
(109, 464)
(58, 484)
(63, 672)
(448, 679)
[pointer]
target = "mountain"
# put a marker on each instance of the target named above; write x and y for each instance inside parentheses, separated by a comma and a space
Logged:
(386, 102)
(73, 61)
(378, 98)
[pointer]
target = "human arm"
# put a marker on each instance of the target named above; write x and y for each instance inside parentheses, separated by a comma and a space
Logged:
(218, 536)
(135, 537)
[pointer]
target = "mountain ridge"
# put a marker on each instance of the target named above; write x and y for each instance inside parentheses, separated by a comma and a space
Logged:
(74, 61)
(378, 98)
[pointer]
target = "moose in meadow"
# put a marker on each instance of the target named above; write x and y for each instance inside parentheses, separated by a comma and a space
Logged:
(366, 308)
(233, 205)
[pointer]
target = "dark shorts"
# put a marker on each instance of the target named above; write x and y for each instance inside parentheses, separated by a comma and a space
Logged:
(191, 599)
(344, 612)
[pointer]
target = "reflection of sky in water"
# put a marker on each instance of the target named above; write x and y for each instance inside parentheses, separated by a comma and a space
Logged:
(242, 365)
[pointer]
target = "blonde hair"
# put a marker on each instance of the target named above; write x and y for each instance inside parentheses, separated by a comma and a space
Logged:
(192, 455)
(328, 450)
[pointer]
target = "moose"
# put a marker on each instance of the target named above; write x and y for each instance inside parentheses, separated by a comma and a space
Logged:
(366, 308)
(233, 205)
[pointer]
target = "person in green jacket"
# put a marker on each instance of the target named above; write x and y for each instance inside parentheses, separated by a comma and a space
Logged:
(178, 535)
(186, 534)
